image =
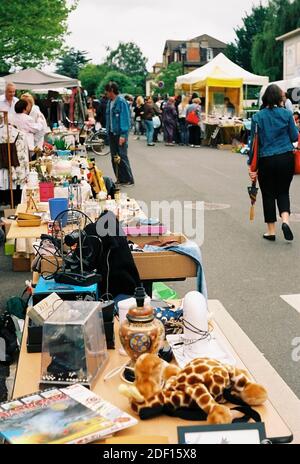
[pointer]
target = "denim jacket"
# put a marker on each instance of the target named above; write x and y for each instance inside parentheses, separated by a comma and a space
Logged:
(277, 132)
(120, 117)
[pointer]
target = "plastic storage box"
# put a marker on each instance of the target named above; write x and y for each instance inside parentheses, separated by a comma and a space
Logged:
(74, 345)
(66, 292)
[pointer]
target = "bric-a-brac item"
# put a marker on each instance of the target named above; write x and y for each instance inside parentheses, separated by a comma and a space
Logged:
(199, 339)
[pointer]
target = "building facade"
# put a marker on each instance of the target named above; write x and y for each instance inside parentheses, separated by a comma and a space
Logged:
(291, 54)
(192, 53)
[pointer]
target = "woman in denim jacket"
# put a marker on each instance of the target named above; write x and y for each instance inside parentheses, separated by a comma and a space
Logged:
(276, 134)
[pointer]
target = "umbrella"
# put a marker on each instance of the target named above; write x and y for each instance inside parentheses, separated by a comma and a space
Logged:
(253, 191)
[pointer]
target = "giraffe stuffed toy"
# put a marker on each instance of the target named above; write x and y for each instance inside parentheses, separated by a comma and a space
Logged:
(201, 384)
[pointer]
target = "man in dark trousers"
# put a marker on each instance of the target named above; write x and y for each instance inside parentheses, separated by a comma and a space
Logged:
(118, 126)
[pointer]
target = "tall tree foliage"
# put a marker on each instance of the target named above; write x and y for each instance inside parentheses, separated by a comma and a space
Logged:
(128, 59)
(91, 76)
(71, 63)
(168, 76)
(240, 50)
(255, 47)
(267, 53)
(126, 84)
(32, 31)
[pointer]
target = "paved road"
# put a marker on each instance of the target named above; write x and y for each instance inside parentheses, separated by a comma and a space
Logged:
(247, 274)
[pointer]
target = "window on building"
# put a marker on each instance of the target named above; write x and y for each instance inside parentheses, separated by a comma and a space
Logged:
(210, 54)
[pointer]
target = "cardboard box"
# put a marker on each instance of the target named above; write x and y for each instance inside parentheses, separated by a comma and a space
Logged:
(164, 265)
(21, 262)
(9, 212)
(7, 222)
(151, 266)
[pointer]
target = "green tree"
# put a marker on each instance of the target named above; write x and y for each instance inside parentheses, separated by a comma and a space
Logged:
(4, 68)
(128, 58)
(126, 85)
(267, 53)
(168, 76)
(32, 31)
(91, 76)
(71, 63)
(239, 51)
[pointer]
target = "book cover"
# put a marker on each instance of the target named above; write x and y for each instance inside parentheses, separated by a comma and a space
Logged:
(72, 415)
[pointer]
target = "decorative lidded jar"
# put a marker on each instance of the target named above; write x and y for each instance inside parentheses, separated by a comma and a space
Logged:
(141, 332)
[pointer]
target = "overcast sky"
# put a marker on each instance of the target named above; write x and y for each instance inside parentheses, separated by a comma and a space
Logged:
(149, 23)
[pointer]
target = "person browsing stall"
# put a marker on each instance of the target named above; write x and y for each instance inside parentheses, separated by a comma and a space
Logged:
(277, 132)
(8, 101)
(118, 126)
(35, 113)
(26, 124)
(287, 103)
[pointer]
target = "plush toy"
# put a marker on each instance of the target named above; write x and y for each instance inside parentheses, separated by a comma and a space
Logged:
(199, 386)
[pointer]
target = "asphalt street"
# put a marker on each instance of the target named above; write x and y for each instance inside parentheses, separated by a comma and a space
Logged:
(247, 274)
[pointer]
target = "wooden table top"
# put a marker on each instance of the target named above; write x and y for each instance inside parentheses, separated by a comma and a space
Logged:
(28, 375)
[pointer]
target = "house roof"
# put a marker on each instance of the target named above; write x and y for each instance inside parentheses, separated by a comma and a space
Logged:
(212, 42)
(174, 44)
(289, 35)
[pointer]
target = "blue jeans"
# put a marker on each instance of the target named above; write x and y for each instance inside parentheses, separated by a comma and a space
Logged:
(184, 131)
(149, 131)
(122, 170)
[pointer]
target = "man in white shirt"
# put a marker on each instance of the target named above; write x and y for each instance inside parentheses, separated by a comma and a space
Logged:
(287, 103)
(8, 101)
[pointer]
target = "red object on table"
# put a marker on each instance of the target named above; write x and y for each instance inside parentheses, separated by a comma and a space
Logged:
(46, 191)
(297, 157)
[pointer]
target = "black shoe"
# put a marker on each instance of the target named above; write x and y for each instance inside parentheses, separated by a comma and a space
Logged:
(127, 184)
(271, 238)
(288, 234)
(151, 144)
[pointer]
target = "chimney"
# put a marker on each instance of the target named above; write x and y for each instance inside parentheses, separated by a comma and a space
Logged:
(204, 43)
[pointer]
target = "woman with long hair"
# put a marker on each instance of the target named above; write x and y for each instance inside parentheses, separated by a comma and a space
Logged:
(276, 134)
(138, 119)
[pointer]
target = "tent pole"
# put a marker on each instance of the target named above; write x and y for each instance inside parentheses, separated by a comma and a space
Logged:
(9, 161)
(206, 101)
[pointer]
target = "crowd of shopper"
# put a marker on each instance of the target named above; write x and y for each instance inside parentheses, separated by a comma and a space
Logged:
(165, 119)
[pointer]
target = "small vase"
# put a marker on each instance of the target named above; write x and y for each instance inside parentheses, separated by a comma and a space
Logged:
(141, 332)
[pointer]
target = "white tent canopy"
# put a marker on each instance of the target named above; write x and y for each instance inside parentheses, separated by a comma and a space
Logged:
(35, 79)
(220, 67)
(284, 85)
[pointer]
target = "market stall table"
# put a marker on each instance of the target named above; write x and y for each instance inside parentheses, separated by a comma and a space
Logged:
(153, 267)
(222, 134)
(29, 368)
(16, 232)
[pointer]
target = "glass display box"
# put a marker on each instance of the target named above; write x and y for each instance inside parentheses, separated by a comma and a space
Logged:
(74, 345)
